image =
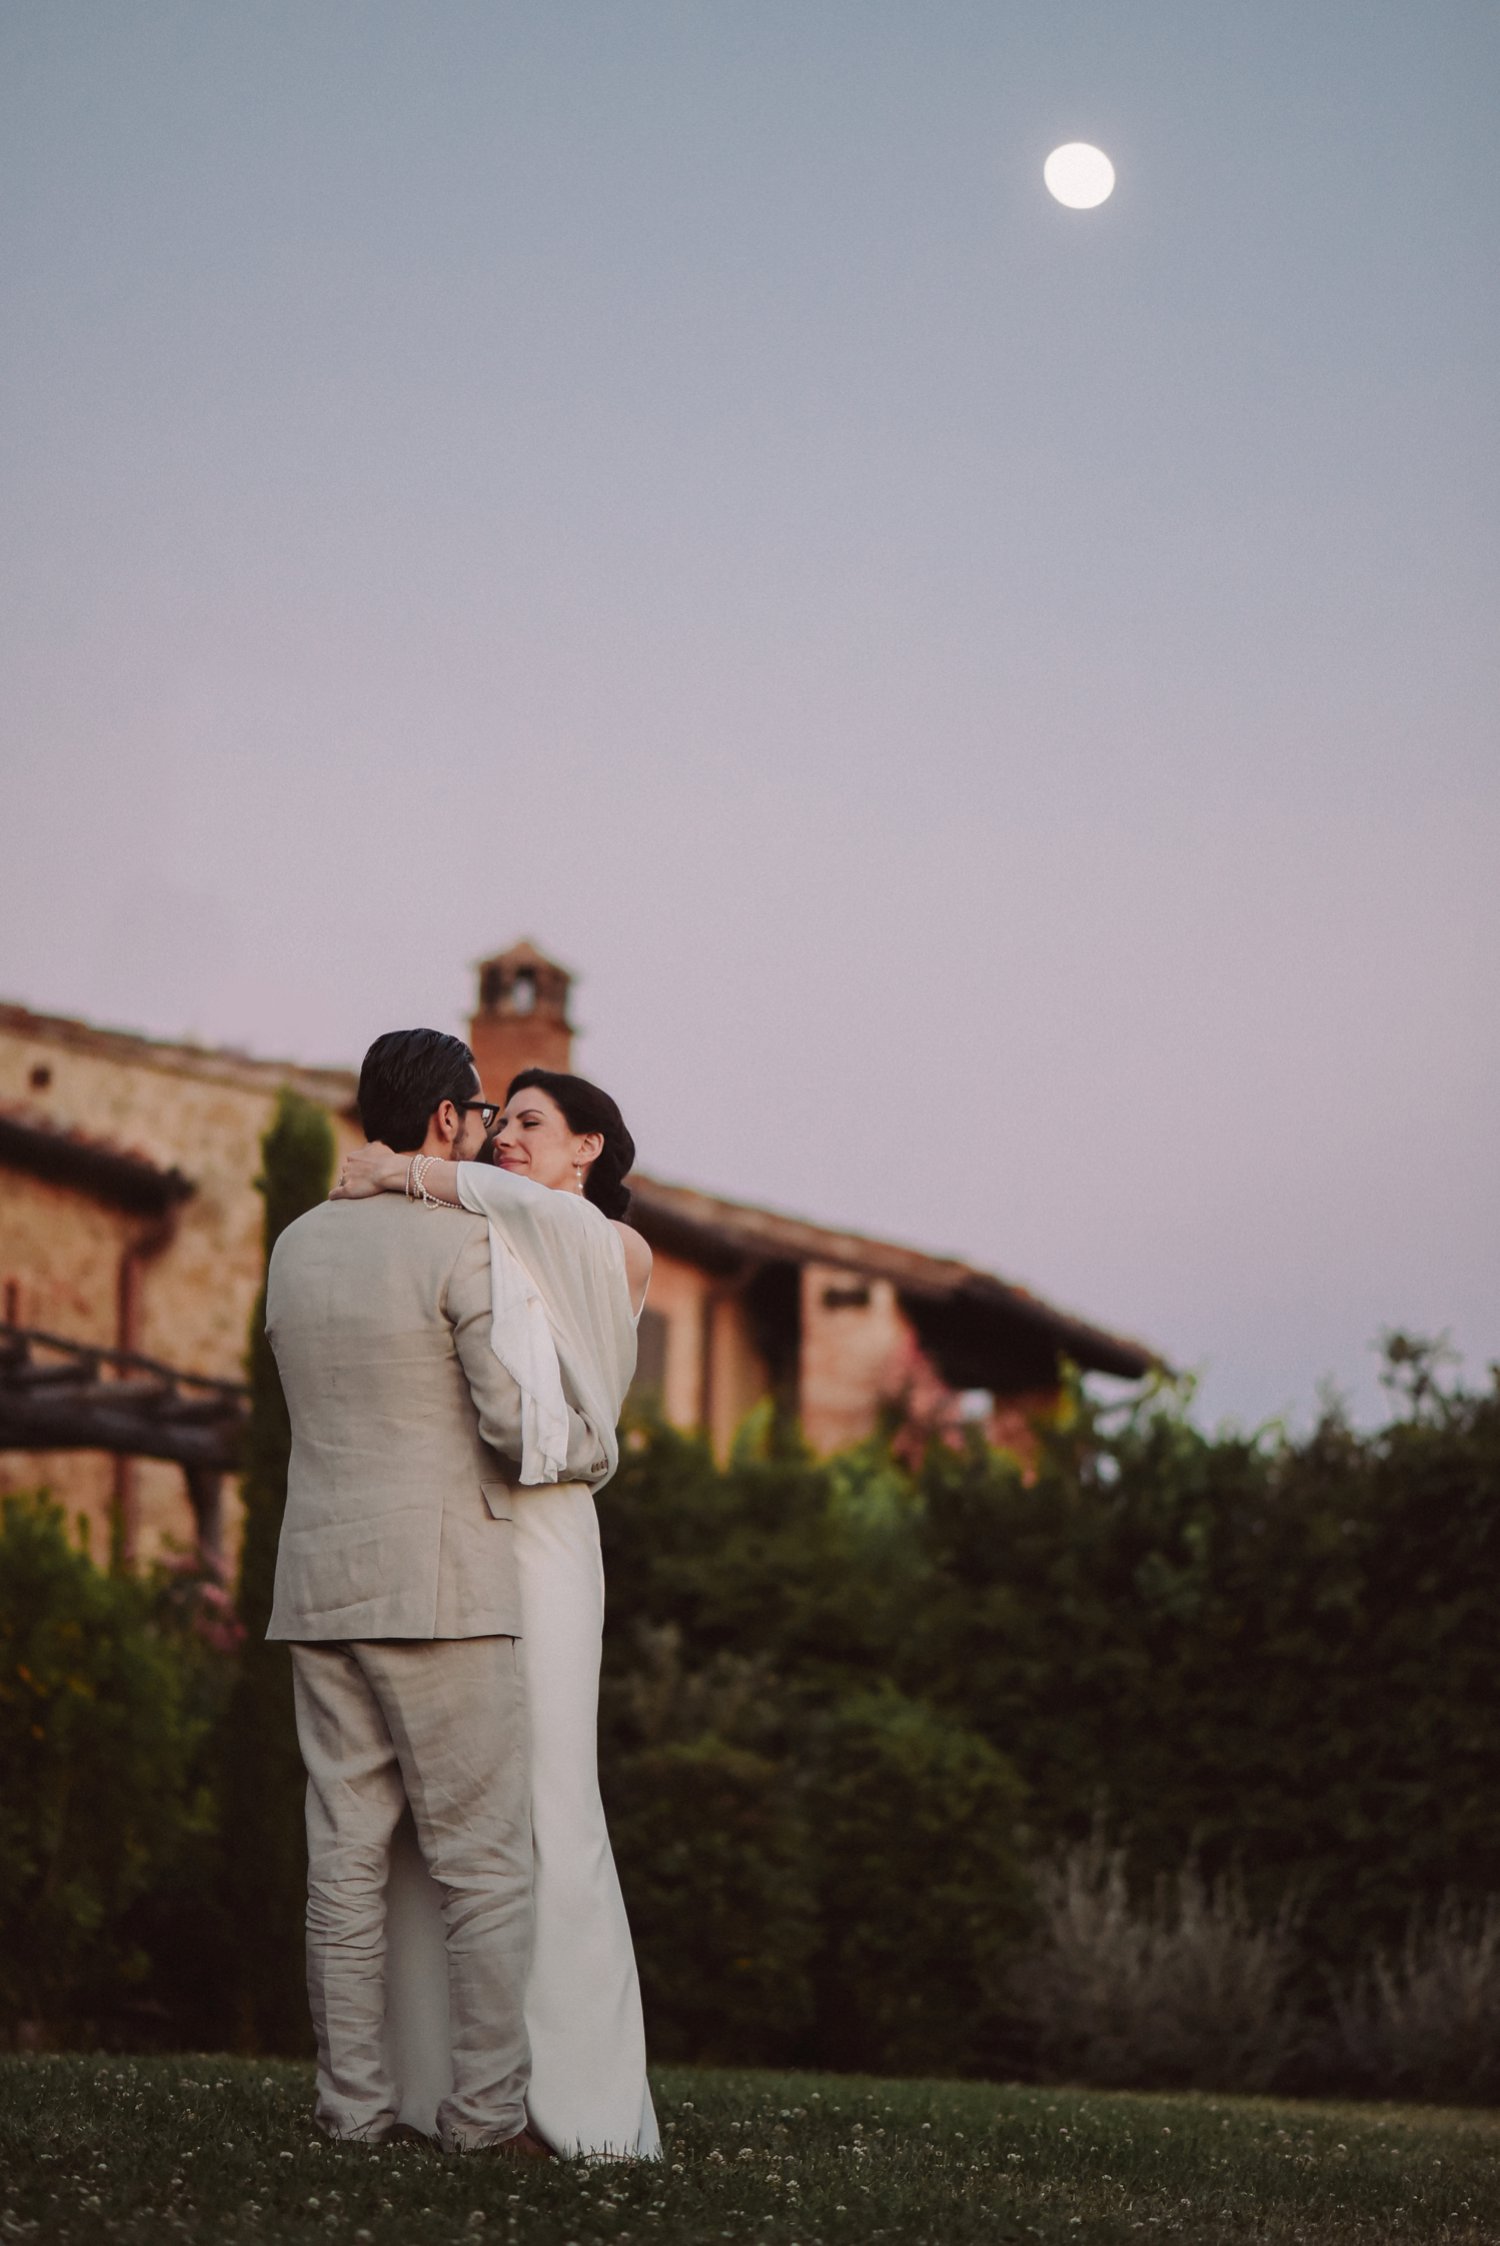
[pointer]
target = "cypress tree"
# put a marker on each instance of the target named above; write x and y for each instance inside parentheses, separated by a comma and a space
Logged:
(265, 1850)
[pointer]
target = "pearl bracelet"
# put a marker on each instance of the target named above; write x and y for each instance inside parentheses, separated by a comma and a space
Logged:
(416, 1184)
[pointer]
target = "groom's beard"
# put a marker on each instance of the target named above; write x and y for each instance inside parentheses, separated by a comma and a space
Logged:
(487, 1153)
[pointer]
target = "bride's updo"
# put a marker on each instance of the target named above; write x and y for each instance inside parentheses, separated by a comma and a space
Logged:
(585, 1109)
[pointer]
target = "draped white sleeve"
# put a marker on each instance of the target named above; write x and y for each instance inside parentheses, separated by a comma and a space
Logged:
(561, 1322)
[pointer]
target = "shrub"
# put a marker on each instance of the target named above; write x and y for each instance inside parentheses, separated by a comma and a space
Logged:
(713, 1861)
(262, 1784)
(1182, 1989)
(1426, 2023)
(711, 1847)
(98, 1735)
(1272, 1654)
(921, 1887)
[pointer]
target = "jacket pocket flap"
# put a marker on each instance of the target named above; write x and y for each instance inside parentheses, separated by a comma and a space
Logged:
(499, 1496)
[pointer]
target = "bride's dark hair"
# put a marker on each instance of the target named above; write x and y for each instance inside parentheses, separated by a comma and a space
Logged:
(586, 1109)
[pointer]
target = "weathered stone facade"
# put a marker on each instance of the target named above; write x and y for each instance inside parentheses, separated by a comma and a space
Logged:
(63, 1248)
(744, 1304)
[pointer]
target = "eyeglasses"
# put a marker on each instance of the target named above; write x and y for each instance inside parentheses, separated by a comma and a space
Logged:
(488, 1111)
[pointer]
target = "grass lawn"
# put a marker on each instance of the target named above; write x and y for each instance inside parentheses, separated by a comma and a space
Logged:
(224, 2149)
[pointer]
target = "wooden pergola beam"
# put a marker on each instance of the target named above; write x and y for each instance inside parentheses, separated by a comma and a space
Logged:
(60, 1395)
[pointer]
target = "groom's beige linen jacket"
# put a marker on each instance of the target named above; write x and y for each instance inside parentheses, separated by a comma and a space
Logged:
(405, 1428)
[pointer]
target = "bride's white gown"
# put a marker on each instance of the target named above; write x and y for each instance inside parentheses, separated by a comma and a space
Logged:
(583, 2002)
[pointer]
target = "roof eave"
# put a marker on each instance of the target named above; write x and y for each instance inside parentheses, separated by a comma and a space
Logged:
(731, 1234)
(122, 1180)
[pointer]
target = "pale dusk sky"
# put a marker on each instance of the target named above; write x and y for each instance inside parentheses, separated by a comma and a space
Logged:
(998, 704)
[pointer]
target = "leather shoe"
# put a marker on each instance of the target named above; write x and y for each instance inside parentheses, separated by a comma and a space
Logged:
(524, 2145)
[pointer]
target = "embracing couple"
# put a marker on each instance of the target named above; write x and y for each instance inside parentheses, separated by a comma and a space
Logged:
(455, 1332)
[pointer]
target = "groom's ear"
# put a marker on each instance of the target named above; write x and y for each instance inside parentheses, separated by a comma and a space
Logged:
(447, 1121)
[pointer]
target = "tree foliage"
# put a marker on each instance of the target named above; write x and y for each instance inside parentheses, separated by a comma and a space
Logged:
(1272, 1654)
(856, 1713)
(264, 1874)
(1268, 1658)
(99, 1734)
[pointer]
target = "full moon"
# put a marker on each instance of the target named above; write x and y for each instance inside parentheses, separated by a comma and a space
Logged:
(1080, 176)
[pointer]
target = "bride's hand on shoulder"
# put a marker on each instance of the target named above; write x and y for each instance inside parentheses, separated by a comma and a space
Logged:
(368, 1170)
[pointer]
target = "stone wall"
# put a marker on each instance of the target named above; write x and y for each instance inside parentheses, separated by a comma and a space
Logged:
(204, 1113)
(60, 1250)
(59, 1269)
(676, 1294)
(856, 1344)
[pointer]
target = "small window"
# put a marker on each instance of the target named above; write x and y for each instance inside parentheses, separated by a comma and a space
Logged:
(650, 1358)
(41, 1077)
(523, 993)
(856, 1297)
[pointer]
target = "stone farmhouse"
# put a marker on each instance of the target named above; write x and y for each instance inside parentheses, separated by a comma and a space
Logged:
(130, 1259)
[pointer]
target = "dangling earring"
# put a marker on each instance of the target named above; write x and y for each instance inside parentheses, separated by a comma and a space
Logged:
(578, 1174)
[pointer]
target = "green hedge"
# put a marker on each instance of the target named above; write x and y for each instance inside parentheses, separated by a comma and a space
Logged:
(263, 1877)
(102, 1723)
(1273, 1655)
(845, 1707)
(1268, 1655)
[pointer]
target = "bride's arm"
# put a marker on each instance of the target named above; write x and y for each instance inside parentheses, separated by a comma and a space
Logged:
(375, 1169)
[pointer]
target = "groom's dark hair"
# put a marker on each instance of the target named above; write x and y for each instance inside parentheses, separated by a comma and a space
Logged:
(406, 1077)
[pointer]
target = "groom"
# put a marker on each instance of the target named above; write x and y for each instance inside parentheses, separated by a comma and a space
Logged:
(396, 1585)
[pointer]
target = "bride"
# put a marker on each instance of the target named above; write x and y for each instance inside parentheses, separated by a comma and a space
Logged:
(569, 1281)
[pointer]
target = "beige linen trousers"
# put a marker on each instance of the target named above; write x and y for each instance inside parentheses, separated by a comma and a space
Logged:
(396, 1585)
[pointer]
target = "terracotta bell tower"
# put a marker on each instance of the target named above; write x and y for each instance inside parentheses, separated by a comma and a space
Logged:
(522, 1021)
